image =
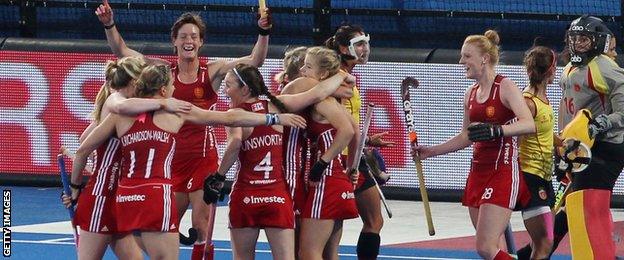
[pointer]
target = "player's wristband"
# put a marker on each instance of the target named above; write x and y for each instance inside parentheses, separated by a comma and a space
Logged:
(107, 27)
(77, 186)
(264, 32)
(272, 119)
(316, 172)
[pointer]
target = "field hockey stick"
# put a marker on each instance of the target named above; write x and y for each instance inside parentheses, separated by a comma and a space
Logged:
(358, 155)
(562, 191)
(67, 191)
(406, 85)
(210, 231)
(190, 240)
(261, 8)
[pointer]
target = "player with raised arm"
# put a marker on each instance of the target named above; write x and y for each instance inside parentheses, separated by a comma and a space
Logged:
(197, 82)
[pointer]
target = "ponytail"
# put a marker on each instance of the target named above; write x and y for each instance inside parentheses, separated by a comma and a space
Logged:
(275, 101)
(122, 72)
(100, 99)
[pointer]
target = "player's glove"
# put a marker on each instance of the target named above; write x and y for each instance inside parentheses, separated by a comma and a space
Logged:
(316, 172)
(561, 167)
(599, 125)
(484, 132)
(213, 185)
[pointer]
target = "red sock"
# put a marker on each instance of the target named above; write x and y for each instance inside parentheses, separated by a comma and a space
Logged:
(198, 251)
(502, 256)
(209, 253)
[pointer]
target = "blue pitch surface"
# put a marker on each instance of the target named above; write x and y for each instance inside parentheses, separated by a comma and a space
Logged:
(41, 205)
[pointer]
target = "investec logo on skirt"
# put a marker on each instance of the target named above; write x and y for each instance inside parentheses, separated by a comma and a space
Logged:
(269, 199)
(347, 195)
(130, 198)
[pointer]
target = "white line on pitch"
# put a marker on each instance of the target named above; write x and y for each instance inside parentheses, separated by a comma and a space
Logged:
(57, 240)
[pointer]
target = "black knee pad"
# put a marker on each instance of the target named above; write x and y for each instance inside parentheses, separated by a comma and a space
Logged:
(368, 246)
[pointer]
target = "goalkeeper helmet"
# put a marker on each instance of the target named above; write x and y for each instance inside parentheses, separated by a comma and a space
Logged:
(587, 37)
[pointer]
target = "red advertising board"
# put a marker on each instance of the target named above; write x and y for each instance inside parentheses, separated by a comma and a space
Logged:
(47, 98)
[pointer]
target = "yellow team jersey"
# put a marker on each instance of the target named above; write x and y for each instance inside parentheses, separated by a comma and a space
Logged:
(353, 105)
(536, 150)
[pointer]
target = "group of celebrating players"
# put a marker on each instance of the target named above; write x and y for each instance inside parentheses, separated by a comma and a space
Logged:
(156, 148)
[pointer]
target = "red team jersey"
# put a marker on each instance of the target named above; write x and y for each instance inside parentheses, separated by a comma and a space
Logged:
(494, 173)
(107, 165)
(295, 156)
(144, 198)
(260, 155)
(196, 157)
(334, 197)
(260, 196)
(294, 143)
(95, 211)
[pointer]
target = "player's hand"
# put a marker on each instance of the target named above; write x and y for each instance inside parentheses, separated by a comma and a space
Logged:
(265, 21)
(213, 185)
(377, 140)
(105, 14)
(423, 152)
(71, 200)
(291, 120)
(484, 132)
(349, 80)
(557, 141)
(66, 200)
(599, 125)
(176, 106)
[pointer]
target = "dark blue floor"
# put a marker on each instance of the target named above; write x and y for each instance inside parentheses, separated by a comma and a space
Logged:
(40, 205)
(34, 246)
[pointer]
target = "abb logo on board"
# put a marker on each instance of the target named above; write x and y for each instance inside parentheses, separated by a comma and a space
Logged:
(47, 99)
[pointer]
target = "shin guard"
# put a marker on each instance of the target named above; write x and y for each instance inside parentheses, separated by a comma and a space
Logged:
(590, 224)
(368, 246)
